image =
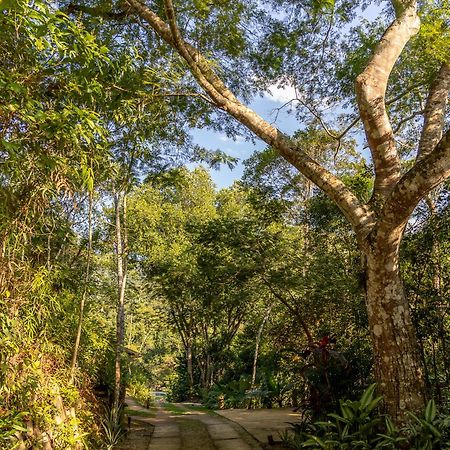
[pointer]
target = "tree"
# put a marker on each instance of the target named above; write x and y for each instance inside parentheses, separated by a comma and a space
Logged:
(204, 252)
(51, 137)
(378, 223)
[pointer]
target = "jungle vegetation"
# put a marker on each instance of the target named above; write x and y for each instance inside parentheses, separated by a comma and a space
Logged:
(319, 278)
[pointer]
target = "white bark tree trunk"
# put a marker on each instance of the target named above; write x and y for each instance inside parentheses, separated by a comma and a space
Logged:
(258, 343)
(398, 367)
(121, 255)
(190, 368)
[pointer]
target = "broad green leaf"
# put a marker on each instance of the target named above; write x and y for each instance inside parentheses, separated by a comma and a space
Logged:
(430, 411)
(367, 396)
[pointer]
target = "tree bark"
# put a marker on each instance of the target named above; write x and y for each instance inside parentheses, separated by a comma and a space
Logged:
(378, 224)
(121, 255)
(398, 368)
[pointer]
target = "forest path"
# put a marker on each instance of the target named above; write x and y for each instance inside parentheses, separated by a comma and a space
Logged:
(184, 427)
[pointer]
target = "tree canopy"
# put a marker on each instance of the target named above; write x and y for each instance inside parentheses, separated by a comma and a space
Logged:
(122, 266)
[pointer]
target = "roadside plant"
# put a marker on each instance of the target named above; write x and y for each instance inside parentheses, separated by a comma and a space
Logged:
(11, 424)
(112, 428)
(358, 426)
(431, 431)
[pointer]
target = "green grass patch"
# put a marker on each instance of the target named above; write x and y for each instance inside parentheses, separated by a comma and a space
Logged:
(140, 412)
(192, 407)
(173, 409)
(184, 408)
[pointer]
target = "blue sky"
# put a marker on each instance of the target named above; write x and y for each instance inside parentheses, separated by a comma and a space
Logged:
(266, 107)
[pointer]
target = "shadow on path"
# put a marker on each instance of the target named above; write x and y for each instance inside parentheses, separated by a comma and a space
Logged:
(185, 426)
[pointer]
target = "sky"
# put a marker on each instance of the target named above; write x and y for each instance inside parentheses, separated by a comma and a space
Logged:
(266, 107)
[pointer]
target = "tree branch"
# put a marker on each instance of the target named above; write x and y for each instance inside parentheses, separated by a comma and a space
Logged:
(371, 89)
(406, 119)
(426, 174)
(434, 112)
(98, 11)
(359, 215)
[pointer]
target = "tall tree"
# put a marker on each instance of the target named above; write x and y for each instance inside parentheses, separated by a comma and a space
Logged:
(378, 223)
(121, 250)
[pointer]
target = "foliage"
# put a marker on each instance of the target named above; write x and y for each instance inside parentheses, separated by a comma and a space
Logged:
(323, 371)
(139, 384)
(11, 423)
(358, 425)
(112, 429)
(235, 394)
(91, 101)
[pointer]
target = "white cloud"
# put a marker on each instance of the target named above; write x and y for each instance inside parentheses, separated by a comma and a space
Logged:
(236, 140)
(280, 94)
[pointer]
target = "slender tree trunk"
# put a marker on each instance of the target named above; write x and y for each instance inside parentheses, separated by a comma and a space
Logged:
(398, 369)
(258, 343)
(76, 346)
(190, 369)
(121, 253)
(207, 370)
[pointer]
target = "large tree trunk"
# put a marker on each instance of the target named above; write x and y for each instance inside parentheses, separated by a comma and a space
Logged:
(398, 368)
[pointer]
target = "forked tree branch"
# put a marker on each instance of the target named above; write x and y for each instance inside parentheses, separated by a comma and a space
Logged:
(371, 87)
(358, 215)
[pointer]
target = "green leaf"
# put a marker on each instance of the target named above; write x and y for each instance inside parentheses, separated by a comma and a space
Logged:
(430, 411)
(373, 404)
(16, 87)
(390, 425)
(346, 411)
(345, 431)
(433, 429)
(338, 417)
(367, 396)
(314, 440)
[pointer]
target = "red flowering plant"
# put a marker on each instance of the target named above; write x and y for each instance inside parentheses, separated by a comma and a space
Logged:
(323, 368)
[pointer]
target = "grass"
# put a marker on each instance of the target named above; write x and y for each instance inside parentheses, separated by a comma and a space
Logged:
(192, 407)
(186, 408)
(140, 413)
(174, 409)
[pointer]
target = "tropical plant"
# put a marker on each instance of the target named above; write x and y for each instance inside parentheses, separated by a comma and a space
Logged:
(112, 429)
(359, 425)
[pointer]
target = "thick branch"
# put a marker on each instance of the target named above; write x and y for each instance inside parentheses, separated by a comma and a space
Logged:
(170, 13)
(358, 215)
(371, 89)
(426, 174)
(434, 113)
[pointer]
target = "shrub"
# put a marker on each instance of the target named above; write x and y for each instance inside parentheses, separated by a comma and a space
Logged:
(358, 425)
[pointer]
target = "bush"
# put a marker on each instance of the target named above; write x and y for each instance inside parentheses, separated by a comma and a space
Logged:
(358, 425)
